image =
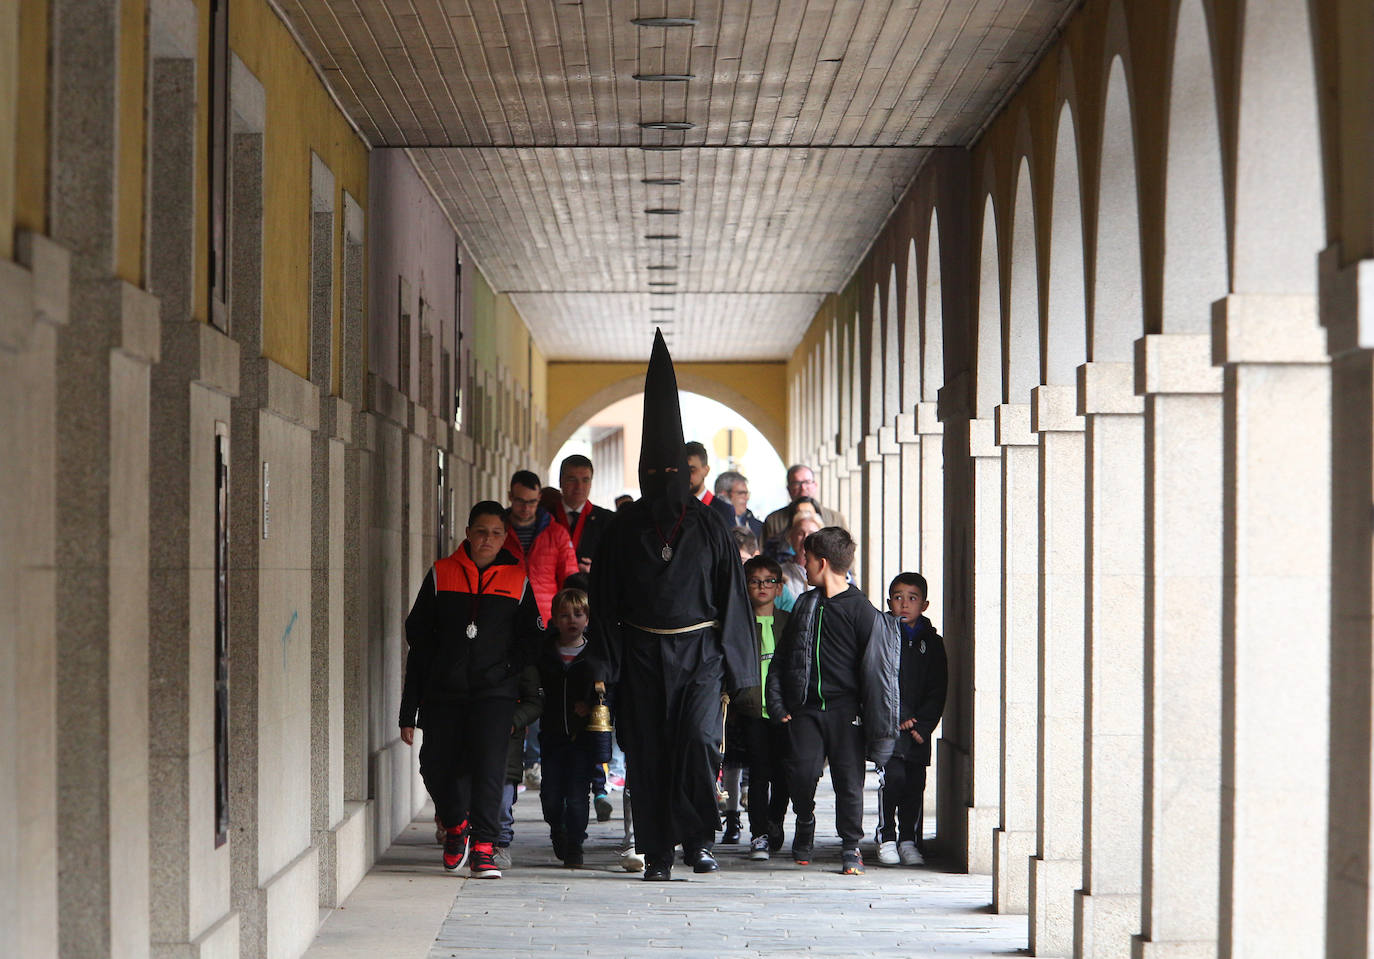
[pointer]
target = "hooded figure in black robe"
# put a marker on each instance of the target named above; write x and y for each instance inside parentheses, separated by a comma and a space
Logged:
(672, 627)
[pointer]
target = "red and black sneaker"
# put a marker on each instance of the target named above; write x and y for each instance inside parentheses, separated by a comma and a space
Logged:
(457, 840)
(484, 862)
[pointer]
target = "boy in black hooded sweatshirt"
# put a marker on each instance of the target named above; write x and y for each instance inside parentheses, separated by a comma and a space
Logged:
(924, 681)
(833, 681)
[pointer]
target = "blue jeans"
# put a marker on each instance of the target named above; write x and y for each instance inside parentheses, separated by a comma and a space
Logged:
(563, 792)
(507, 832)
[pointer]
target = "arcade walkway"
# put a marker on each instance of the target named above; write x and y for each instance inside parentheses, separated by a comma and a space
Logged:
(407, 908)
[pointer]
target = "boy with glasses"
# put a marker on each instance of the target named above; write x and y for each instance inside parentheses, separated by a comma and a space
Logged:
(765, 737)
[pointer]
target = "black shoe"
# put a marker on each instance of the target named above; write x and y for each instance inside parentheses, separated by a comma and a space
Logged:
(731, 834)
(603, 808)
(658, 868)
(560, 842)
(572, 856)
(802, 841)
(775, 837)
(703, 861)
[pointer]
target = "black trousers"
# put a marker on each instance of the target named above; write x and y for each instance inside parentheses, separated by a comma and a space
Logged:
(669, 724)
(901, 799)
(767, 747)
(463, 762)
(565, 781)
(815, 736)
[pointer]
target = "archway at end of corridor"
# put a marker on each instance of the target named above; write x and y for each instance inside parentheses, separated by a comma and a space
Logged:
(611, 438)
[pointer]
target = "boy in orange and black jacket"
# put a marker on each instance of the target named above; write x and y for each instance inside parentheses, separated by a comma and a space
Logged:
(473, 628)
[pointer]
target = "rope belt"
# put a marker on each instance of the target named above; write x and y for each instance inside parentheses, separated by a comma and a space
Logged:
(673, 632)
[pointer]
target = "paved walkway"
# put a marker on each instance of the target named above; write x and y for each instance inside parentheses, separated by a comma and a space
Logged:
(408, 908)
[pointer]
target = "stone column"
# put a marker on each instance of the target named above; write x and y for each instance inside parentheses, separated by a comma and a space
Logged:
(899, 510)
(1107, 908)
(33, 308)
(1015, 842)
(932, 507)
(1183, 615)
(1347, 296)
(1057, 867)
(1275, 675)
(985, 646)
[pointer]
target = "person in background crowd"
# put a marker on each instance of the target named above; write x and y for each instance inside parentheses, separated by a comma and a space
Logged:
(473, 628)
(622, 501)
(801, 481)
(585, 522)
(732, 499)
(793, 568)
(539, 544)
(698, 468)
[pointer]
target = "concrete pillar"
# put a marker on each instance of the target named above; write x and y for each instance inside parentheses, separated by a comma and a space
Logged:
(898, 511)
(1275, 681)
(1107, 908)
(34, 302)
(1347, 294)
(1183, 615)
(1057, 868)
(1015, 841)
(985, 647)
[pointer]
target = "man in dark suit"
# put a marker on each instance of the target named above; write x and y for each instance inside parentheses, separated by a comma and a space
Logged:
(585, 521)
(732, 500)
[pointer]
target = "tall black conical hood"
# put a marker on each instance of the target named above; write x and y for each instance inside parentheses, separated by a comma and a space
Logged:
(662, 463)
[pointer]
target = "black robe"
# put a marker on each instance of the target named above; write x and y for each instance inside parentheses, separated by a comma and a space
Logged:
(668, 686)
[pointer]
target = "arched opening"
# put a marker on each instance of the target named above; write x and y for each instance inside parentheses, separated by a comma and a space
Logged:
(1066, 332)
(1023, 329)
(611, 438)
(933, 320)
(911, 334)
(1194, 205)
(892, 365)
(989, 387)
(1117, 309)
(1279, 206)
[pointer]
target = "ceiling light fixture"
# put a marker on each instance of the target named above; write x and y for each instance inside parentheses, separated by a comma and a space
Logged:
(663, 292)
(667, 125)
(661, 266)
(663, 236)
(663, 282)
(662, 309)
(660, 149)
(663, 210)
(662, 181)
(664, 22)
(664, 77)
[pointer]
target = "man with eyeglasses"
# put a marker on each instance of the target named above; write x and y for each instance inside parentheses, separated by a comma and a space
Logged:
(732, 500)
(801, 481)
(537, 542)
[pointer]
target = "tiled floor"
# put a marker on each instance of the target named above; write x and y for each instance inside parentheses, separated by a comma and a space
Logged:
(747, 909)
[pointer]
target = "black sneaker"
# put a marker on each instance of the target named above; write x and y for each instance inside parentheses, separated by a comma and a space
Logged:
(732, 829)
(560, 842)
(852, 862)
(603, 808)
(484, 862)
(775, 837)
(456, 846)
(573, 857)
(802, 840)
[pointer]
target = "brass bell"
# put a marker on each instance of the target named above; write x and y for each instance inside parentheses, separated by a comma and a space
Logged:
(601, 717)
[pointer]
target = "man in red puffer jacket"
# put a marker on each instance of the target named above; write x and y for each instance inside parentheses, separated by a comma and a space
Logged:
(537, 542)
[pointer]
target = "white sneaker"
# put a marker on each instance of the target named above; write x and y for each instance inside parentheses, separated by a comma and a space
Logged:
(887, 853)
(909, 854)
(758, 848)
(631, 861)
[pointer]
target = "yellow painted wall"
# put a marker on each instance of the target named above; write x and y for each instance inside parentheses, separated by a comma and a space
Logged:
(301, 117)
(24, 168)
(570, 385)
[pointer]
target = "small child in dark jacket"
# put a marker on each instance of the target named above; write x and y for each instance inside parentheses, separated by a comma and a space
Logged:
(569, 753)
(923, 678)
